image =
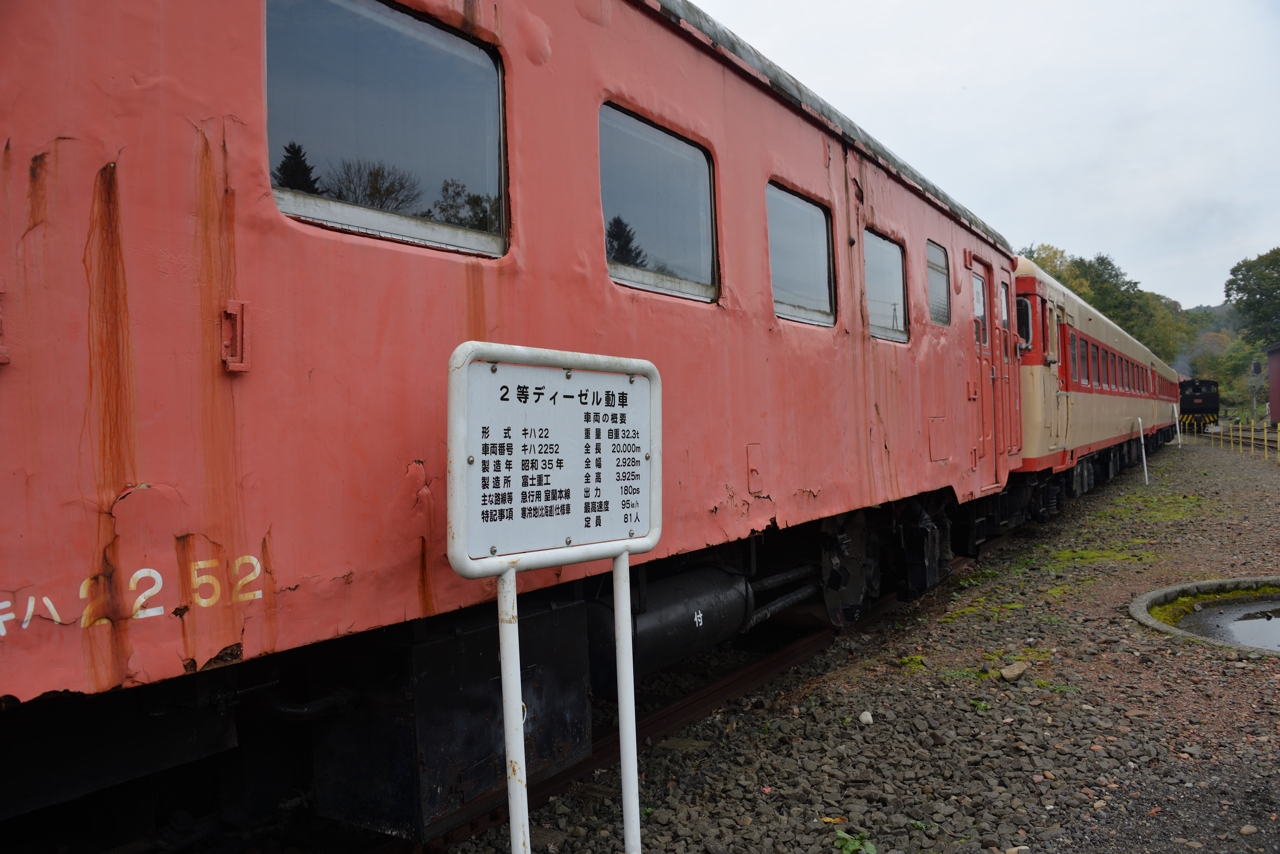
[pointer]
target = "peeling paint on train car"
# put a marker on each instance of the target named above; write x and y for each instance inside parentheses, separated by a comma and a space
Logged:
(163, 514)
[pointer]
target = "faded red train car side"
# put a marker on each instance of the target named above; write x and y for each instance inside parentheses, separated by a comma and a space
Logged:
(163, 514)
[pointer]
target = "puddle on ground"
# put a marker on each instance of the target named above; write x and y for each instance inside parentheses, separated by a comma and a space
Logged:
(1250, 623)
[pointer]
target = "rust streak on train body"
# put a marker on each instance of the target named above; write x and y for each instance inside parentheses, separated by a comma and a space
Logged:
(477, 322)
(113, 422)
(209, 629)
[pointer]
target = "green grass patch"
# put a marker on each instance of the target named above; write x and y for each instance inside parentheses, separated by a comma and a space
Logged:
(911, 663)
(1072, 558)
(1172, 612)
(1150, 507)
(963, 673)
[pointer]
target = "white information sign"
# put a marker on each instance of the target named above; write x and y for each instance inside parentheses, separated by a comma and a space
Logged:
(553, 458)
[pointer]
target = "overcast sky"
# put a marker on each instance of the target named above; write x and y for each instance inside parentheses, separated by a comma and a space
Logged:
(1146, 130)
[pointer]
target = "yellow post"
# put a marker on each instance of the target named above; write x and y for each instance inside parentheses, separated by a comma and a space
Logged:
(1252, 440)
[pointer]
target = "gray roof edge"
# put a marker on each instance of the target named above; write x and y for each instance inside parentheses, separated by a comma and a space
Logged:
(796, 92)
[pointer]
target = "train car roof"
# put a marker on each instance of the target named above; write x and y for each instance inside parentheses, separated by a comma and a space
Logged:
(1027, 267)
(749, 60)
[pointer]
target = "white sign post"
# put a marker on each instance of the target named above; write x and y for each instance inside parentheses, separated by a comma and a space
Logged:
(555, 458)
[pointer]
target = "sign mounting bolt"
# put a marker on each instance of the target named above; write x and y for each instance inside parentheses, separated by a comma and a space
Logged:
(646, 456)
(568, 374)
(493, 367)
(493, 550)
(631, 379)
(631, 533)
(568, 541)
(471, 461)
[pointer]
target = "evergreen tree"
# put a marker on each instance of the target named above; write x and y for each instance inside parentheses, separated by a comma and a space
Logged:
(294, 172)
(620, 244)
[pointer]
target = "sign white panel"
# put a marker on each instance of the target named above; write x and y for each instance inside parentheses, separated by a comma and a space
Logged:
(554, 458)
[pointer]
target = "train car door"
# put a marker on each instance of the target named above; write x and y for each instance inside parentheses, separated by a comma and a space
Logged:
(1056, 359)
(1007, 358)
(988, 382)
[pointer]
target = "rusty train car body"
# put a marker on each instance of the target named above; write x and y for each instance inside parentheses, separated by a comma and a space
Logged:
(241, 241)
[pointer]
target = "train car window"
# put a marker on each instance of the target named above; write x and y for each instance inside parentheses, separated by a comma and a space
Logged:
(1115, 377)
(1084, 361)
(383, 124)
(1106, 377)
(1004, 317)
(886, 285)
(979, 309)
(1093, 349)
(799, 257)
(1075, 366)
(656, 192)
(1024, 321)
(939, 284)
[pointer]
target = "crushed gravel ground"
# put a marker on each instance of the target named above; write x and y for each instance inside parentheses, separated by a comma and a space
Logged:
(1100, 736)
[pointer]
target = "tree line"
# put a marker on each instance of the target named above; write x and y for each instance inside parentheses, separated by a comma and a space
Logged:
(1207, 342)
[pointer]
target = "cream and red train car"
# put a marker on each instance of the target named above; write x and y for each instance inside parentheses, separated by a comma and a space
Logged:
(240, 242)
(1091, 393)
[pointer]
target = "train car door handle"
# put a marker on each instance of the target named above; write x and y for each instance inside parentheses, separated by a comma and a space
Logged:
(235, 336)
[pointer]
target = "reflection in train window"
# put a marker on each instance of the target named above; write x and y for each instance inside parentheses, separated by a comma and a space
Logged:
(886, 287)
(656, 192)
(1075, 365)
(939, 284)
(799, 257)
(380, 123)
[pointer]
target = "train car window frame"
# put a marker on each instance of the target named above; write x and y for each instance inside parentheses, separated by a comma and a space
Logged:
(938, 263)
(1025, 316)
(979, 309)
(1084, 362)
(375, 217)
(1004, 319)
(883, 247)
(1075, 362)
(1114, 377)
(788, 310)
(662, 278)
(1093, 354)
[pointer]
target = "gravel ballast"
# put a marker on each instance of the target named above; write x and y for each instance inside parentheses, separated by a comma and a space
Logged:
(1017, 705)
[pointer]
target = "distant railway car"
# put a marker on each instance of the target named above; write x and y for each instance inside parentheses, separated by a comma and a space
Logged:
(1198, 404)
(1091, 393)
(240, 242)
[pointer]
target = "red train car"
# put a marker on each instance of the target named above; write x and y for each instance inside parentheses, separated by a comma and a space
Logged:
(239, 244)
(1093, 394)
